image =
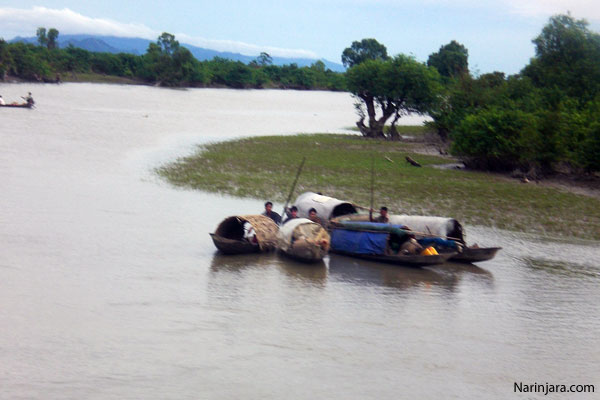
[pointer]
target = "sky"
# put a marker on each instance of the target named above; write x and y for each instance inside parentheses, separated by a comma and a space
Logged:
(497, 33)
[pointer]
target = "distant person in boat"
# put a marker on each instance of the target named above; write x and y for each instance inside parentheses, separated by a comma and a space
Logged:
(29, 99)
(271, 214)
(292, 213)
(383, 216)
(2, 103)
(312, 215)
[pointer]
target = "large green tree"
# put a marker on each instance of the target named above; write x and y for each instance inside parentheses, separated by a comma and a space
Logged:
(168, 63)
(452, 60)
(41, 36)
(52, 38)
(567, 57)
(366, 49)
(391, 88)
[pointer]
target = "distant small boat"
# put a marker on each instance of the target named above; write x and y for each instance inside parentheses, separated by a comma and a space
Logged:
(379, 242)
(245, 234)
(303, 239)
(21, 105)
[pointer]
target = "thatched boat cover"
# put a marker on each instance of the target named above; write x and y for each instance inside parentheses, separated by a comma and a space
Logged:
(327, 207)
(264, 227)
(302, 229)
(438, 226)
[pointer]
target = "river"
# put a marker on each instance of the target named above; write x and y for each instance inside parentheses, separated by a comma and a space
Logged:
(110, 287)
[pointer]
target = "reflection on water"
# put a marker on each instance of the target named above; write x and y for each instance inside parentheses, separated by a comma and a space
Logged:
(562, 268)
(314, 273)
(366, 272)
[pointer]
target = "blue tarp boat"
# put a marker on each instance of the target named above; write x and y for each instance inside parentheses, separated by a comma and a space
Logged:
(379, 242)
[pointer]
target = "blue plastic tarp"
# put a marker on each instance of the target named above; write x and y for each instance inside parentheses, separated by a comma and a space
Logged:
(426, 242)
(359, 242)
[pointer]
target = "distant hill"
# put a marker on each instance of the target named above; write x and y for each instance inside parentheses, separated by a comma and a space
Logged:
(138, 46)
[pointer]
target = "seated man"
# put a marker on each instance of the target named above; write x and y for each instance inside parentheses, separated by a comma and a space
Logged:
(271, 214)
(312, 215)
(292, 213)
(383, 216)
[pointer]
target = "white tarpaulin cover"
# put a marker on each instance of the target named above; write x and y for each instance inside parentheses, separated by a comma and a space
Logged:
(439, 226)
(327, 207)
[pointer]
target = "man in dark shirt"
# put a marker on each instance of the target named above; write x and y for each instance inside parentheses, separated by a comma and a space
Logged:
(271, 214)
(383, 216)
(291, 214)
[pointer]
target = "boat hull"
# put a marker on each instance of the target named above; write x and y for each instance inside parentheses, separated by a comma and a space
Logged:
(304, 255)
(25, 105)
(403, 260)
(470, 255)
(230, 246)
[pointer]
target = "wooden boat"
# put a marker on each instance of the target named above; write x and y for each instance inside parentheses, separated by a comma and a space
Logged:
(447, 228)
(245, 234)
(15, 105)
(303, 240)
(379, 242)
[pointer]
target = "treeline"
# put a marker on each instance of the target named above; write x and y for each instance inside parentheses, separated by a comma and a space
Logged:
(166, 63)
(542, 120)
(545, 119)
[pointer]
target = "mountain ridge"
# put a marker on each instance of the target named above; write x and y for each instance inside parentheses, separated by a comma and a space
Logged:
(138, 46)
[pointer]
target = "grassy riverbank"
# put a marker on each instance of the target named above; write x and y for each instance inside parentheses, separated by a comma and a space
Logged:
(340, 165)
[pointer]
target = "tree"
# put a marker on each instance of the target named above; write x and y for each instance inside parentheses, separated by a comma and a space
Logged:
(52, 38)
(366, 49)
(392, 88)
(451, 61)
(167, 44)
(567, 57)
(5, 59)
(41, 35)
(168, 63)
(264, 59)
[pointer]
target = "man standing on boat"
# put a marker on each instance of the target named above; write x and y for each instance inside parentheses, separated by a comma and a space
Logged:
(271, 214)
(2, 103)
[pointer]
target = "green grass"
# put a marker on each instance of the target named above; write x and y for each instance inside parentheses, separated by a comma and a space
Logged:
(417, 131)
(340, 166)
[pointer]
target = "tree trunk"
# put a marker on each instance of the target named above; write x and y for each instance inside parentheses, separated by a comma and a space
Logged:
(394, 135)
(364, 130)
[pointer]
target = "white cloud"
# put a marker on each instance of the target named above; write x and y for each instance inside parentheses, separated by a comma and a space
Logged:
(586, 9)
(243, 48)
(24, 22)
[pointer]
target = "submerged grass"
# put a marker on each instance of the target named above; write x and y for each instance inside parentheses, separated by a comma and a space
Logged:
(340, 166)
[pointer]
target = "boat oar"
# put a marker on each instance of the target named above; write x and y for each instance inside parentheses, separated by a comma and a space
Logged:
(293, 187)
(372, 183)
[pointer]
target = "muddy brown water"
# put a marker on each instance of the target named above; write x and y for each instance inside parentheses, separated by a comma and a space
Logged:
(110, 287)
